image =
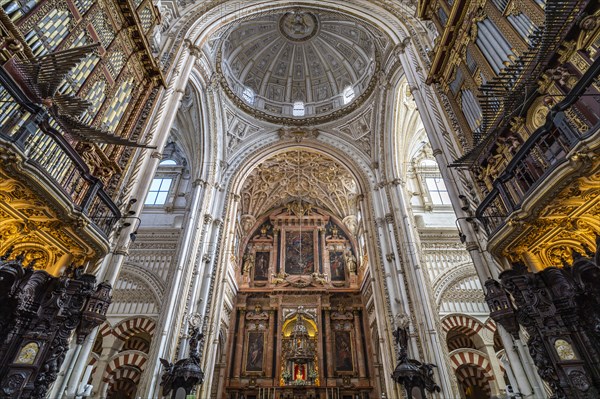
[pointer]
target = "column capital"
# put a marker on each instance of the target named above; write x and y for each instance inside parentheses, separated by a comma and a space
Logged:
(472, 246)
(199, 182)
(122, 251)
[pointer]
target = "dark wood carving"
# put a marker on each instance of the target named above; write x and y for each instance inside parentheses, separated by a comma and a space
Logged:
(412, 373)
(185, 373)
(560, 310)
(38, 315)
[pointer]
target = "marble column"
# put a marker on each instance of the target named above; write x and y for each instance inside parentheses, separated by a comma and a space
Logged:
(359, 345)
(524, 387)
(328, 345)
(271, 343)
(239, 345)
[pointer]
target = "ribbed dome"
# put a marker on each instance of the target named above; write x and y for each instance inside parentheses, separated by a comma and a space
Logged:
(298, 64)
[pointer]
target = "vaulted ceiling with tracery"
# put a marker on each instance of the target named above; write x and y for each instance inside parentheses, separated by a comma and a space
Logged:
(299, 174)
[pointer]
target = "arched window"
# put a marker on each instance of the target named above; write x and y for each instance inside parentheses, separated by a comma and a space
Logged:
(298, 109)
(168, 162)
(348, 94)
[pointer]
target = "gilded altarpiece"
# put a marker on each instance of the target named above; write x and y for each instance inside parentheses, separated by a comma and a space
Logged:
(298, 328)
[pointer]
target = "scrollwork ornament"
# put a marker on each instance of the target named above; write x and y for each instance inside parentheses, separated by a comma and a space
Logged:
(579, 380)
(13, 384)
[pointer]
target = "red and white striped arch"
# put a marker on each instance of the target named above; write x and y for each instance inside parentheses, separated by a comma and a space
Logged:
(462, 323)
(123, 386)
(105, 329)
(130, 327)
(469, 375)
(472, 357)
(132, 373)
(133, 359)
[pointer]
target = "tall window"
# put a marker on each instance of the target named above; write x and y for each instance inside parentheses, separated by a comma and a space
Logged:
(437, 191)
(159, 190)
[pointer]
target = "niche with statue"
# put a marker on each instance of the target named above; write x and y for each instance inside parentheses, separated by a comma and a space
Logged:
(299, 349)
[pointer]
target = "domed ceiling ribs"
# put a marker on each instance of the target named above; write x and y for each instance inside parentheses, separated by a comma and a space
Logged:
(299, 174)
(271, 61)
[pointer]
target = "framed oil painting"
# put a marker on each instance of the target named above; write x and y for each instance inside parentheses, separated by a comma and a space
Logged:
(343, 351)
(336, 266)
(261, 265)
(299, 252)
(255, 349)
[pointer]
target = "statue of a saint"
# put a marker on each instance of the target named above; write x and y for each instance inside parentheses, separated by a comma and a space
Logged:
(248, 263)
(351, 262)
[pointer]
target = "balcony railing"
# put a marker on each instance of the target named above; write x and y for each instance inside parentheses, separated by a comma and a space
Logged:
(29, 130)
(574, 119)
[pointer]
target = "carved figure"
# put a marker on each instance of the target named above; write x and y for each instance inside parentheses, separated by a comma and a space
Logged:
(278, 278)
(248, 263)
(350, 262)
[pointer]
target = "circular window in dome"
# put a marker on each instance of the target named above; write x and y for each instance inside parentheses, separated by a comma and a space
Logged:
(299, 66)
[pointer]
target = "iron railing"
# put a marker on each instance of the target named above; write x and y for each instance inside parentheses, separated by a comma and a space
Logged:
(574, 119)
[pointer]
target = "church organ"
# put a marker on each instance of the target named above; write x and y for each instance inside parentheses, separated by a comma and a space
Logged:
(77, 82)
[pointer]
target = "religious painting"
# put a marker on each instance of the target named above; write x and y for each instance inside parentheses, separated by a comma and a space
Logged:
(336, 266)
(261, 266)
(255, 351)
(343, 351)
(299, 252)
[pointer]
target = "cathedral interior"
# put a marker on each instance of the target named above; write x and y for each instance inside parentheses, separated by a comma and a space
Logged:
(323, 199)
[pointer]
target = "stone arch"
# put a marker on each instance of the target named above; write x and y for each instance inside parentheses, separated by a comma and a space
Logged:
(136, 291)
(139, 342)
(131, 326)
(473, 381)
(490, 325)
(463, 323)
(450, 277)
(130, 359)
(123, 388)
(149, 278)
(473, 357)
(128, 372)
(244, 162)
(459, 341)
(105, 330)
